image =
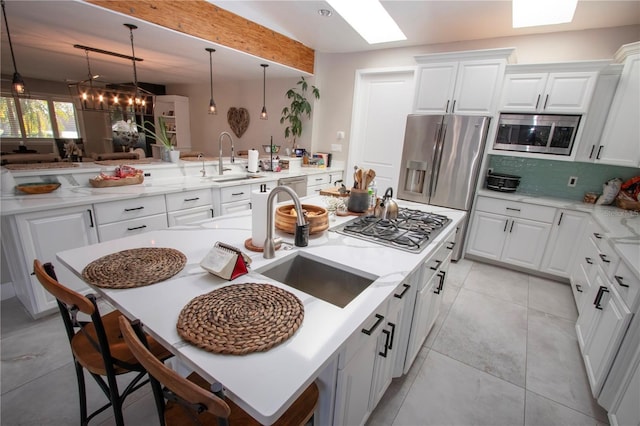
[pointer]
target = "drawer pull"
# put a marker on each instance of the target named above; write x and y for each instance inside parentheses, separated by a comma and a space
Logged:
(511, 229)
(435, 268)
(619, 281)
(379, 319)
(136, 227)
(589, 261)
(591, 153)
(598, 236)
(191, 199)
(386, 344)
(560, 220)
(318, 179)
(512, 209)
(579, 288)
(237, 193)
(604, 258)
(451, 245)
(505, 226)
(403, 292)
(134, 209)
(90, 218)
(599, 151)
(601, 291)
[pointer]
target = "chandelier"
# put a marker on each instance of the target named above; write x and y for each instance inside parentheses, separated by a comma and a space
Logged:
(94, 95)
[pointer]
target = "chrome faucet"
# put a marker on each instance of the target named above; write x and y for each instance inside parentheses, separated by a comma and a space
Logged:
(302, 227)
(233, 160)
(203, 171)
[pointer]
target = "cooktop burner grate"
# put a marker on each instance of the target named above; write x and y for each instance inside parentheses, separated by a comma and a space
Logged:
(412, 231)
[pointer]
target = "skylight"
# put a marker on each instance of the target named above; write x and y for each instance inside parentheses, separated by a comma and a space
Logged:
(369, 19)
(531, 13)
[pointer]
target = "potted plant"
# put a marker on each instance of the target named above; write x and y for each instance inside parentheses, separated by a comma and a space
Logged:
(299, 107)
(163, 137)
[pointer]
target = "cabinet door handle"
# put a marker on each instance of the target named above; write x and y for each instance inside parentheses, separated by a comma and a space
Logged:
(598, 236)
(546, 99)
(593, 147)
(560, 220)
(453, 107)
(90, 218)
(537, 101)
(589, 260)
(505, 226)
(134, 209)
(435, 268)
(192, 199)
(599, 151)
(512, 209)
(579, 288)
(601, 291)
(446, 109)
(211, 212)
(368, 332)
(137, 227)
(604, 258)
(393, 333)
(441, 275)
(237, 193)
(451, 245)
(403, 292)
(386, 344)
(619, 281)
(511, 229)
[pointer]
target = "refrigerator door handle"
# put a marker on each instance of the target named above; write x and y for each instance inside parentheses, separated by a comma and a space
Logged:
(437, 161)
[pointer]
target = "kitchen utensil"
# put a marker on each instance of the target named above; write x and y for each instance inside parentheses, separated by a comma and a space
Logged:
(355, 177)
(371, 175)
(387, 208)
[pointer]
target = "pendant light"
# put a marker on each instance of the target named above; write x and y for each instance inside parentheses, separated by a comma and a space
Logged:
(212, 103)
(17, 83)
(263, 114)
(137, 102)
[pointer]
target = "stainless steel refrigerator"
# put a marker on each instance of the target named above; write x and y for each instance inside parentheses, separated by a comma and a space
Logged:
(441, 160)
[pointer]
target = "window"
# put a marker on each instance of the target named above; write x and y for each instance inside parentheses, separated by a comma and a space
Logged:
(37, 118)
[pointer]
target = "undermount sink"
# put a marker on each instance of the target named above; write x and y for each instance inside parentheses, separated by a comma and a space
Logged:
(319, 279)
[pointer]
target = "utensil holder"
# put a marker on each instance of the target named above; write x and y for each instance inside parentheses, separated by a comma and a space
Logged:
(358, 200)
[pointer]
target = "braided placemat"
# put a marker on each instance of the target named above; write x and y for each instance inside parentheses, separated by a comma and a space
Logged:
(241, 318)
(134, 268)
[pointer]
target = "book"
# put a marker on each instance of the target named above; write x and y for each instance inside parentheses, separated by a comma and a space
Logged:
(225, 261)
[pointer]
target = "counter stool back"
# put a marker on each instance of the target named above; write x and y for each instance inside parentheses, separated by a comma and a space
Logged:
(96, 345)
(193, 401)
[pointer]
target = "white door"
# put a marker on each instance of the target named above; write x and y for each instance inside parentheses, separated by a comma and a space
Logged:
(382, 101)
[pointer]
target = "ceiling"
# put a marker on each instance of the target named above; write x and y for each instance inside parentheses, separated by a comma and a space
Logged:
(43, 33)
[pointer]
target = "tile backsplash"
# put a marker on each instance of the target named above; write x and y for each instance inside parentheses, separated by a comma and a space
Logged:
(549, 178)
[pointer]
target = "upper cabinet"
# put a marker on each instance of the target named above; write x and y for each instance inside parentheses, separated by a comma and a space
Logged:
(460, 82)
(175, 110)
(619, 143)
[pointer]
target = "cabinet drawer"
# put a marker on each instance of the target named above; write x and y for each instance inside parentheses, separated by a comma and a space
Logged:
(112, 231)
(188, 199)
(627, 284)
(321, 179)
(235, 193)
(606, 257)
(133, 208)
(515, 209)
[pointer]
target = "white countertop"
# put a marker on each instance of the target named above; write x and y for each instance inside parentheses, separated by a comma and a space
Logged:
(284, 370)
(621, 227)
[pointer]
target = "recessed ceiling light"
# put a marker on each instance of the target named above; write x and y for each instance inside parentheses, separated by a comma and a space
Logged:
(369, 19)
(324, 12)
(531, 13)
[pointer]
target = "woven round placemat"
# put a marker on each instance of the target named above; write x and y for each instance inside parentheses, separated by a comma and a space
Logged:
(241, 318)
(134, 267)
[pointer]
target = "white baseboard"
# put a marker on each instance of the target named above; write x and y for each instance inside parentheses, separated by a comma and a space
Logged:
(6, 291)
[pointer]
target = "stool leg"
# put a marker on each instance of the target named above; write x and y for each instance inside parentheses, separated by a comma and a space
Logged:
(82, 393)
(116, 402)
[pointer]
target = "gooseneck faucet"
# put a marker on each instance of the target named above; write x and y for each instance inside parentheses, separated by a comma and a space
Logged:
(301, 238)
(233, 160)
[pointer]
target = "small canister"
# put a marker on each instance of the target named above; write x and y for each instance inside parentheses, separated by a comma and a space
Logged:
(358, 200)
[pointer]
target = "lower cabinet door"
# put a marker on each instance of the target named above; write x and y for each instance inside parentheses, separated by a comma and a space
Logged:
(526, 242)
(561, 252)
(239, 206)
(188, 216)
(422, 320)
(487, 235)
(111, 231)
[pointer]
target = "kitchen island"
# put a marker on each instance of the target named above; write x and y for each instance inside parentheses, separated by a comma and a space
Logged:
(265, 383)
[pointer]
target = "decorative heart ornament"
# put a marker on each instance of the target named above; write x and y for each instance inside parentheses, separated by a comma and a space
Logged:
(238, 119)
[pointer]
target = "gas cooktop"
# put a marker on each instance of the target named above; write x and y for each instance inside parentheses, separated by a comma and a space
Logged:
(412, 231)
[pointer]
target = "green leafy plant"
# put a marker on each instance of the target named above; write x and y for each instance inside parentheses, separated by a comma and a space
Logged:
(300, 106)
(162, 135)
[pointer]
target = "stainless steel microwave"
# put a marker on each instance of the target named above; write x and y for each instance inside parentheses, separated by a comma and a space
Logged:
(541, 133)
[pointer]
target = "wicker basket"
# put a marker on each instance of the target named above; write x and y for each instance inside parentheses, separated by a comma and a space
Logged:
(317, 217)
(108, 183)
(627, 204)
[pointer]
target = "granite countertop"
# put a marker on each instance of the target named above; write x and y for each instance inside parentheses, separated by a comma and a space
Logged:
(621, 227)
(291, 366)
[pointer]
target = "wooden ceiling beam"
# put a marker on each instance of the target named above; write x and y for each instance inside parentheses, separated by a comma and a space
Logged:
(204, 20)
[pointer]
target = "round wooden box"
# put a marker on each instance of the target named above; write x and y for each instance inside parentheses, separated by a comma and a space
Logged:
(317, 217)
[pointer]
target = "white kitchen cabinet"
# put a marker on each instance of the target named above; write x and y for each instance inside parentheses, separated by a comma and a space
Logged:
(175, 110)
(459, 87)
(317, 182)
(626, 409)
(189, 216)
(554, 92)
(387, 351)
(560, 252)
(187, 207)
(40, 235)
(117, 219)
(619, 144)
(233, 199)
(405, 294)
(510, 232)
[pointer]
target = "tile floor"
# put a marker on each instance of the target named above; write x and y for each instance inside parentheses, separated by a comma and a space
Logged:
(502, 352)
